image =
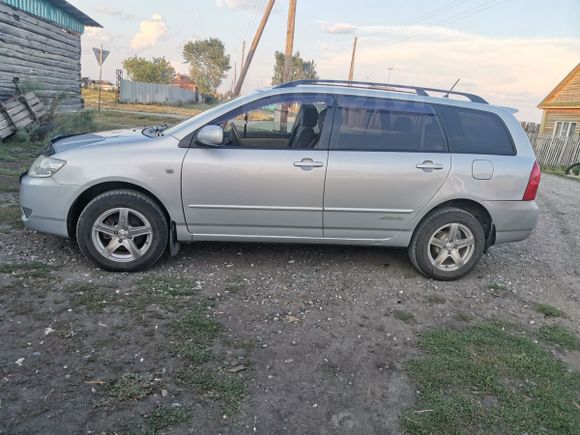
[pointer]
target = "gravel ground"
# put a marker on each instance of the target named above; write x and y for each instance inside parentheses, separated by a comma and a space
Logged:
(322, 332)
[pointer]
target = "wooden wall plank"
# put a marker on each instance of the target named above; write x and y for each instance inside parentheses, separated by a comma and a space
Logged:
(39, 52)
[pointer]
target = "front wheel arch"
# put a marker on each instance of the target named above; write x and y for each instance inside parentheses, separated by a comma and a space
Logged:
(92, 192)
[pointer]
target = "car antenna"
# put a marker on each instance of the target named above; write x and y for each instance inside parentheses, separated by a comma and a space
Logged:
(452, 87)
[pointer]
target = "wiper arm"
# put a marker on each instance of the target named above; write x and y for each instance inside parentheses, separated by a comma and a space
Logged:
(154, 130)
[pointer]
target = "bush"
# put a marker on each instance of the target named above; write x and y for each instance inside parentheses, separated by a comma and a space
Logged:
(72, 123)
(210, 99)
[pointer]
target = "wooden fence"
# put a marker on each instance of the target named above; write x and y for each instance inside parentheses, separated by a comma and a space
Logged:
(552, 151)
(19, 112)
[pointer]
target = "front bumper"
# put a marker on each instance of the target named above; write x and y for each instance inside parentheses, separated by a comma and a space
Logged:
(45, 204)
(513, 220)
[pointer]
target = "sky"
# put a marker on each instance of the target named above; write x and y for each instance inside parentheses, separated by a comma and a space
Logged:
(510, 52)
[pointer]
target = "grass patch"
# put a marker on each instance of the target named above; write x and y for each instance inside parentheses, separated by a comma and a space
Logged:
(167, 418)
(497, 289)
(192, 336)
(559, 171)
(10, 216)
(235, 284)
(554, 334)
(196, 325)
(170, 286)
(92, 297)
(31, 270)
(464, 317)
(131, 387)
(207, 382)
(11, 185)
(548, 310)
(435, 299)
(404, 316)
(486, 380)
(194, 353)
(162, 290)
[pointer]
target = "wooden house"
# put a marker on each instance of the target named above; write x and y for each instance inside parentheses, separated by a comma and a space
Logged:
(40, 43)
(561, 117)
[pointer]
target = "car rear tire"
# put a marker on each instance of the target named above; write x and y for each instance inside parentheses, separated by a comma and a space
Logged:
(122, 231)
(447, 244)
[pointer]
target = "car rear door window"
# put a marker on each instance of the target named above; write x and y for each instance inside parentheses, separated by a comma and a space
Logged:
(370, 124)
(475, 131)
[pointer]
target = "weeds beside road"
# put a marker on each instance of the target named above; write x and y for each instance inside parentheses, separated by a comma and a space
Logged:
(229, 338)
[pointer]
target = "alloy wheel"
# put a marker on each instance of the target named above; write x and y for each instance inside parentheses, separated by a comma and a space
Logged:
(451, 247)
(122, 234)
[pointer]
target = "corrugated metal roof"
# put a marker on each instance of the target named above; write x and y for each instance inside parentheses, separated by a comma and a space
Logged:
(59, 12)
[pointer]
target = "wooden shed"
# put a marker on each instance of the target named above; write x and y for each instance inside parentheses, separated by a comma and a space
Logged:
(561, 117)
(40, 43)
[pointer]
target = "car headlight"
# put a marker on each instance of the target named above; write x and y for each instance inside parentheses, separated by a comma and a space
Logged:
(44, 167)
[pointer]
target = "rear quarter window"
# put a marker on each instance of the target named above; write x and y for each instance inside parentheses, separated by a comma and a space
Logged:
(475, 132)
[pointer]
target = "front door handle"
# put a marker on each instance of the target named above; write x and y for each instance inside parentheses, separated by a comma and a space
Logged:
(429, 166)
(308, 164)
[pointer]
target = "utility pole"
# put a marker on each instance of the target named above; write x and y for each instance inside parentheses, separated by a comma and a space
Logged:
(288, 60)
(389, 74)
(241, 65)
(289, 41)
(253, 47)
(235, 76)
(243, 52)
(351, 72)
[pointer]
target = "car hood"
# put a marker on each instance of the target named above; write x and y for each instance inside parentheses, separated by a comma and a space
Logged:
(60, 144)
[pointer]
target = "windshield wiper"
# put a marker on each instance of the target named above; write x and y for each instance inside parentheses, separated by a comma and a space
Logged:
(154, 130)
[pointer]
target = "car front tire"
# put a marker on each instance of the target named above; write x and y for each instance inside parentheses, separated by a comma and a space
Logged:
(122, 231)
(448, 244)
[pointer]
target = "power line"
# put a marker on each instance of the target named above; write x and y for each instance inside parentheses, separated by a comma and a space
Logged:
(447, 20)
(436, 11)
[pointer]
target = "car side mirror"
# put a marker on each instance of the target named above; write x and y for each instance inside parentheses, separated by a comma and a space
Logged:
(210, 135)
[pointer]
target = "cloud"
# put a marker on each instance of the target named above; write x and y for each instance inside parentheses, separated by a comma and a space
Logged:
(97, 34)
(150, 31)
(339, 28)
(516, 72)
(113, 12)
(236, 4)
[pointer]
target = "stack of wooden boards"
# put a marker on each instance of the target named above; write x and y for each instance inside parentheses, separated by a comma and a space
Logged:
(19, 112)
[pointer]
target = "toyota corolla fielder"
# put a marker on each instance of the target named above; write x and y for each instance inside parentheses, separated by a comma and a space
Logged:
(305, 162)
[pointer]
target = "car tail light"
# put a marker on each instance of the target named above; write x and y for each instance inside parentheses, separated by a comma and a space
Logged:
(533, 184)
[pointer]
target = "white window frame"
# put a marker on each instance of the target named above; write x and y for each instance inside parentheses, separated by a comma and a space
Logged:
(566, 127)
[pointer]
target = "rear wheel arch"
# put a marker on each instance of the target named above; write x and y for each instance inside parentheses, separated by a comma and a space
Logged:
(469, 205)
(92, 192)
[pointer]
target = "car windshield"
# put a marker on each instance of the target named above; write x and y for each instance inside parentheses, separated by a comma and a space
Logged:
(184, 124)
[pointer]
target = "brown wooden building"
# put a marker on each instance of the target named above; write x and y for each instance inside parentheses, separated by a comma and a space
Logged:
(561, 107)
(40, 43)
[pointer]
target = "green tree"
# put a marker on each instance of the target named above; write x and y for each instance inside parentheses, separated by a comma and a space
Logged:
(208, 63)
(300, 69)
(157, 70)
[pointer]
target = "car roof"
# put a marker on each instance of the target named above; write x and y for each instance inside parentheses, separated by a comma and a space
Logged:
(390, 91)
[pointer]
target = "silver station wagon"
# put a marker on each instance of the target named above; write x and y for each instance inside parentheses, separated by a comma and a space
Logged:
(320, 161)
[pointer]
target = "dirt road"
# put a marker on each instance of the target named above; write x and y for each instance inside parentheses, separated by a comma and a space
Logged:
(317, 334)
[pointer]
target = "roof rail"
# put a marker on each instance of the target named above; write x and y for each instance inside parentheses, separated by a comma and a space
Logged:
(418, 90)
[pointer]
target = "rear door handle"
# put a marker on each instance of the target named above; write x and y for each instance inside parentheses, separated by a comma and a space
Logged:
(308, 163)
(429, 166)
